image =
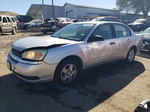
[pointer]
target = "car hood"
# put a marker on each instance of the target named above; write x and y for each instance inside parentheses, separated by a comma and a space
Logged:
(36, 42)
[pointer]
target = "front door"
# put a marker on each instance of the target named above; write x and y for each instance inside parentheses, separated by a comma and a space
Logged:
(104, 50)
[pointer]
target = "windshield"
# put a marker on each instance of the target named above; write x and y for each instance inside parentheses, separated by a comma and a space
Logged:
(147, 30)
(75, 32)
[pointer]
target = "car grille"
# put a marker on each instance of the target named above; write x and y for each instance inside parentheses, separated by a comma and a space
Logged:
(16, 52)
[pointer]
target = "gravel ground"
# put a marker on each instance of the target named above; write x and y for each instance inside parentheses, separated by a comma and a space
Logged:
(114, 87)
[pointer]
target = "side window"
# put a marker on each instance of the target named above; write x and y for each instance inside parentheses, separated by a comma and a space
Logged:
(104, 31)
(13, 19)
(4, 20)
(0, 18)
(122, 31)
(8, 19)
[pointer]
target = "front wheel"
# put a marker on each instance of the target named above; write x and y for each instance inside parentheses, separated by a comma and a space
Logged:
(67, 71)
(131, 55)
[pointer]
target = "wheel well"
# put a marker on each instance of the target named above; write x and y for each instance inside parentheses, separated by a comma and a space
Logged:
(67, 58)
(72, 57)
(135, 48)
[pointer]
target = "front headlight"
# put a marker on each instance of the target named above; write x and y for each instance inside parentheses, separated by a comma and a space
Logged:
(35, 54)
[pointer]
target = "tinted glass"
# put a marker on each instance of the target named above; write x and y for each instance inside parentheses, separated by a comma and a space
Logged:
(4, 20)
(0, 18)
(8, 19)
(122, 31)
(104, 31)
(13, 19)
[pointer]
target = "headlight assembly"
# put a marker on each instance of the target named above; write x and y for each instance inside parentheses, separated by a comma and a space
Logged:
(35, 54)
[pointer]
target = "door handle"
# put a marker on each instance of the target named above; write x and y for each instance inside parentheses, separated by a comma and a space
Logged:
(112, 43)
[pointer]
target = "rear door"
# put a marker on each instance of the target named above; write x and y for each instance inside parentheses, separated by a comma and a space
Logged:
(123, 34)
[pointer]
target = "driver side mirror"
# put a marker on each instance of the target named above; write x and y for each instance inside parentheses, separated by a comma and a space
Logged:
(96, 38)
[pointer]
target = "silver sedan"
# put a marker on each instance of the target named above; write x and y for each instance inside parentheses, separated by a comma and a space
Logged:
(78, 46)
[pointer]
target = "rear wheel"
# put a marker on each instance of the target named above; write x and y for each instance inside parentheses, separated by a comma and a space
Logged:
(14, 31)
(131, 55)
(67, 71)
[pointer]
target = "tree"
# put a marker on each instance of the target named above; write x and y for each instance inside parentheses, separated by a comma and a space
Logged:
(137, 6)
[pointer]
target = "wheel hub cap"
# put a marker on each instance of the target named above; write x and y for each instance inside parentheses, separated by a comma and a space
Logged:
(68, 73)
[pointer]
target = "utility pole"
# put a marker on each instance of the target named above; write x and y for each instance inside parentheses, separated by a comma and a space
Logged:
(42, 9)
(53, 9)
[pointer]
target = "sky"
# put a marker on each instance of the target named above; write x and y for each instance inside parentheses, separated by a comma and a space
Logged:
(21, 6)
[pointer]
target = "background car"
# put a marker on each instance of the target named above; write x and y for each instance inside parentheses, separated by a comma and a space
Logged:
(49, 26)
(33, 24)
(22, 19)
(140, 24)
(146, 40)
(61, 22)
(107, 18)
(8, 24)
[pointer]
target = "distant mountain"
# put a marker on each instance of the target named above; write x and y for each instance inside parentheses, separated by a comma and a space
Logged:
(8, 13)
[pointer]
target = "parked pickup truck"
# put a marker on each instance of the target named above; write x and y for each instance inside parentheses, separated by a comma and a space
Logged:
(8, 24)
(62, 56)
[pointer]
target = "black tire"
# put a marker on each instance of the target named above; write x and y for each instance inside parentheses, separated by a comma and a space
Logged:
(14, 32)
(59, 74)
(131, 55)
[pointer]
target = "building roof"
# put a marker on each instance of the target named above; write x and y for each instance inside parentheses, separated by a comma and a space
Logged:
(37, 9)
(85, 6)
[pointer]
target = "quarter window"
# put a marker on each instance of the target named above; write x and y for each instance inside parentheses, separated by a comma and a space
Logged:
(122, 31)
(104, 31)
(13, 19)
